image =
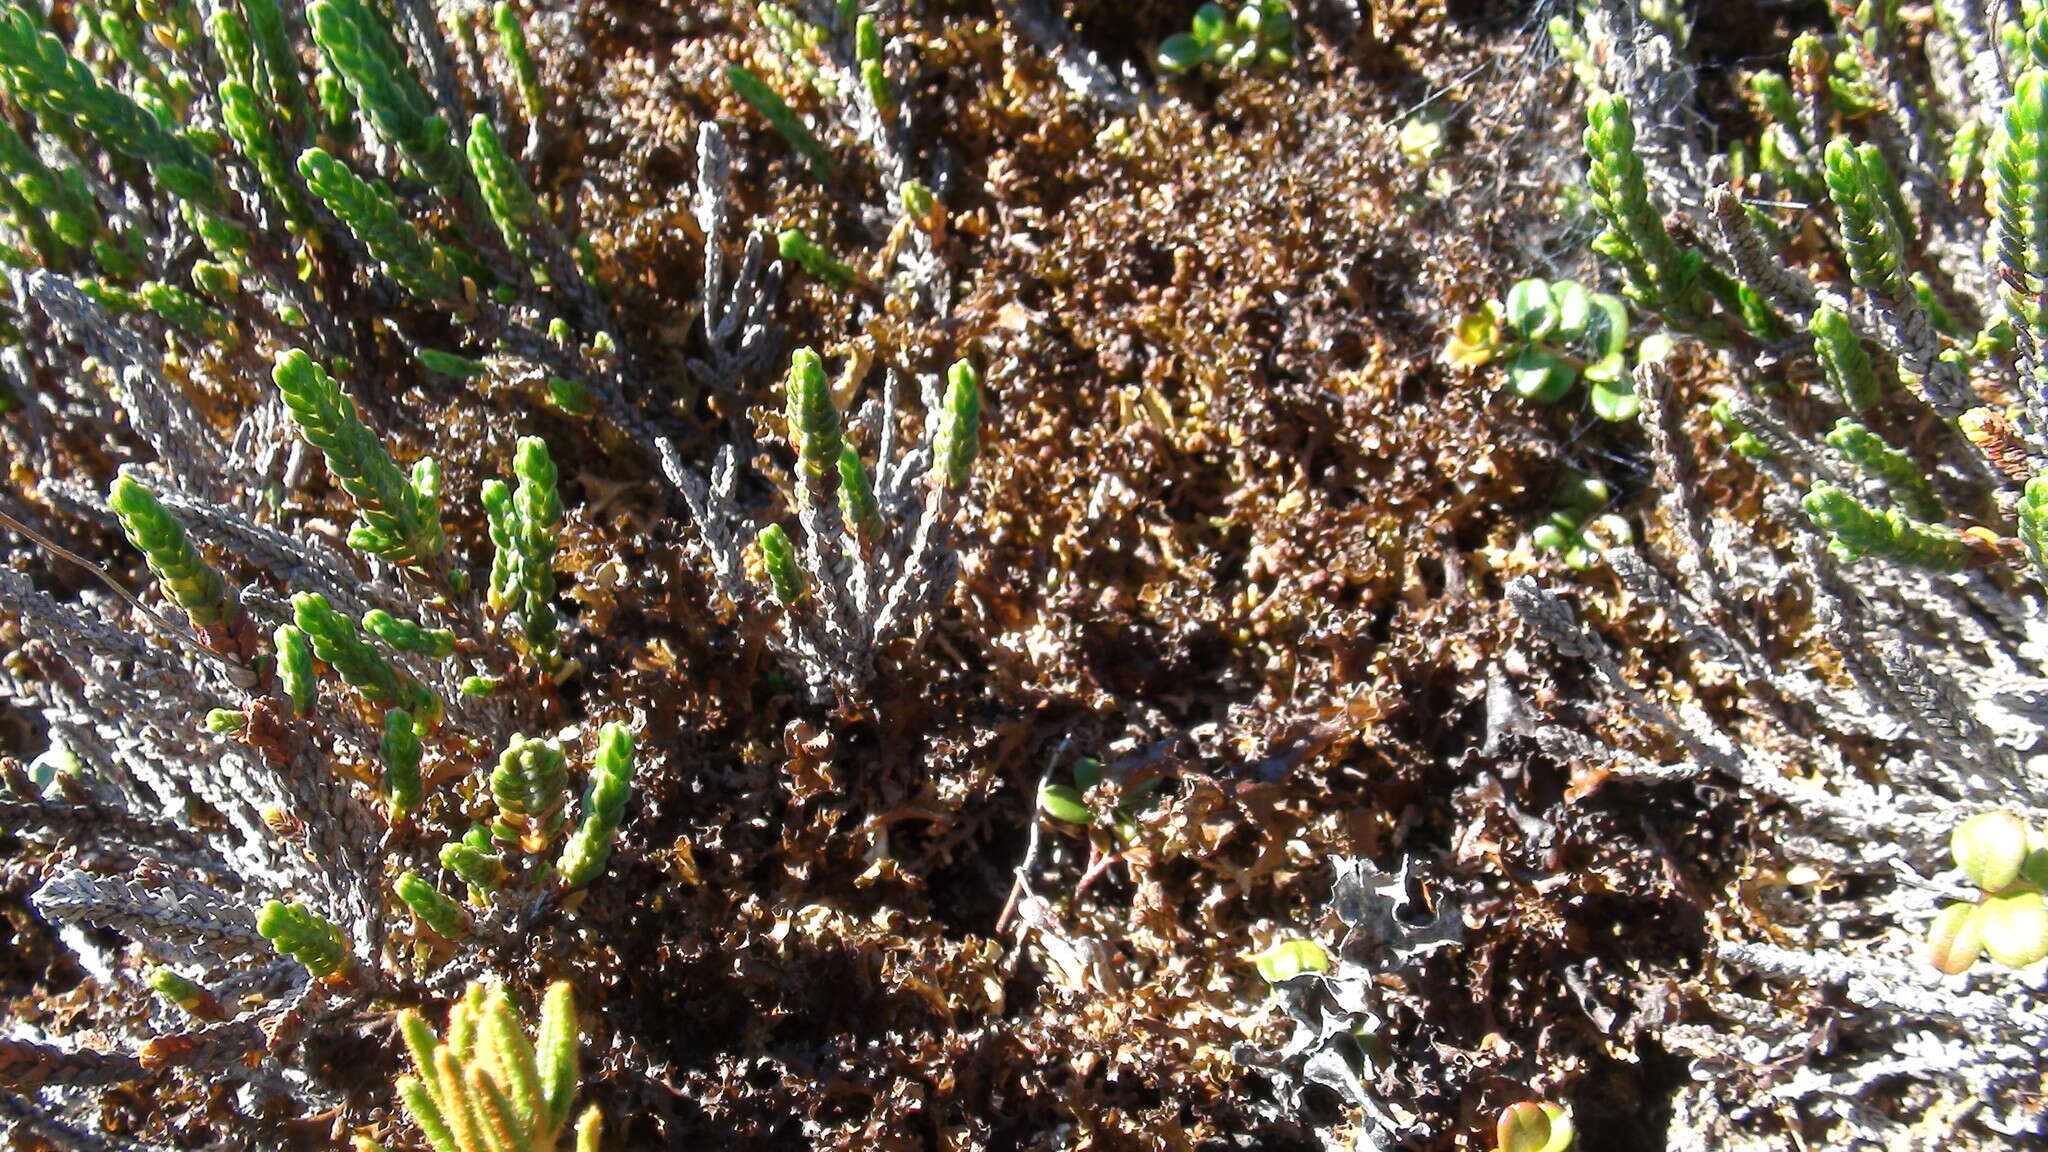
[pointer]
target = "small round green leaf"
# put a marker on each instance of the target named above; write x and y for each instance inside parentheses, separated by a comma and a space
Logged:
(1289, 958)
(1574, 307)
(1180, 53)
(1610, 325)
(1531, 311)
(1990, 848)
(1607, 370)
(1063, 802)
(1586, 493)
(1952, 941)
(1607, 531)
(1540, 376)
(1534, 1127)
(1657, 346)
(1614, 399)
(2014, 928)
(1276, 20)
(2035, 870)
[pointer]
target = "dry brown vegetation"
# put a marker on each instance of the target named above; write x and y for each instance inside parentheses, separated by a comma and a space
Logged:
(1231, 513)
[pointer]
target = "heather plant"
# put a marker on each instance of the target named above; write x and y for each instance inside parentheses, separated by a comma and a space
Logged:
(359, 45)
(309, 938)
(416, 263)
(511, 38)
(283, 778)
(1859, 283)
(399, 518)
(407, 636)
(484, 1085)
(874, 558)
(337, 642)
(506, 196)
(250, 244)
(781, 117)
(502, 864)
(190, 997)
(842, 58)
(187, 579)
(525, 521)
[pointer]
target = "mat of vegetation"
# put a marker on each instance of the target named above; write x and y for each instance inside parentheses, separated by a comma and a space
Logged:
(1022, 575)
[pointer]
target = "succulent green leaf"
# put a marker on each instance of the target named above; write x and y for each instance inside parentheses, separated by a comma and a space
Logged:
(957, 439)
(406, 636)
(1894, 469)
(1843, 360)
(185, 576)
(334, 639)
(403, 524)
(419, 265)
(1181, 52)
(1613, 397)
(506, 196)
(778, 556)
(604, 804)
(305, 936)
(1532, 310)
(526, 74)
(357, 42)
(525, 524)
(295, 667)
(530, 786)
(811, 416)
(2014, 928)
(188, 995)
(1953, 942)
(475, 860)
(857, 506)
(782, 118)
(556, 1042)
(1872, 238)
(1991, 848)
(401, 752)
(812, 257)
(65, 96)
(444, 916)
(1857, 530)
